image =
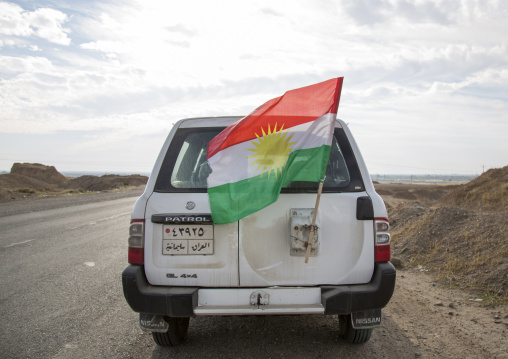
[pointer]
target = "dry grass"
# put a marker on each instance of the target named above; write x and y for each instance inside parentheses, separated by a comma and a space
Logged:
(461, 238)
(489, 191)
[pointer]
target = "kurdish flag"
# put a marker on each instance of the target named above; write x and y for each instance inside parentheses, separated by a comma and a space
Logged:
(286, 139)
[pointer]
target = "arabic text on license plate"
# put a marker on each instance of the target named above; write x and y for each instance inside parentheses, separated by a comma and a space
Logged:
(187, 246)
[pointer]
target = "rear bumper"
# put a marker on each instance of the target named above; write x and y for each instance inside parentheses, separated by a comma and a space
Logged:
(376, 294)
(184, 301)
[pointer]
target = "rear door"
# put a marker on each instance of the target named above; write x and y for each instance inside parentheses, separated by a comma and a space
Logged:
(272, 241)
(182, 246)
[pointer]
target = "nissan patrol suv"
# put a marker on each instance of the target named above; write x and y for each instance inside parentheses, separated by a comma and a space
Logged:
(182, 265)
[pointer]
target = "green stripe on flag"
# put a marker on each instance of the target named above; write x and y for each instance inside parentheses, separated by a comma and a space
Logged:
(233, 201)
(306, 165)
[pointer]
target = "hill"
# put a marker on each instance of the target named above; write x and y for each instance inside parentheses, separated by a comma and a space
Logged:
(488, 191)
(30, 180)
(459, 232)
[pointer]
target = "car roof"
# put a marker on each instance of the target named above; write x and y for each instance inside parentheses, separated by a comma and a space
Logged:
(221, 121)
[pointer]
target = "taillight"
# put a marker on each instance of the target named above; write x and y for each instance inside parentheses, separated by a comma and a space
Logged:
(137, 241)
(382, 251)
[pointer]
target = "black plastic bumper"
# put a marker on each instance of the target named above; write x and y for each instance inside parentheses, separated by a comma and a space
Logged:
(181, 301)
(345, 299)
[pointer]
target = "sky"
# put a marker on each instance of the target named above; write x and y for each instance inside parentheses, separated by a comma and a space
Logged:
(97, 85)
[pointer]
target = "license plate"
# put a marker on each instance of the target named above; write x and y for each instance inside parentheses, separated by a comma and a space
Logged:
(187, 239)
(187, 231)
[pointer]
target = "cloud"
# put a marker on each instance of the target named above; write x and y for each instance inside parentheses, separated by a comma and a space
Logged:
(272, 12)
(20, 65)
(43, 22)
(132, 69)
(487, 84)
(110, 48)
(13, 21)
(368, 12)
(426, 11)
(181, 29)
(48, 25)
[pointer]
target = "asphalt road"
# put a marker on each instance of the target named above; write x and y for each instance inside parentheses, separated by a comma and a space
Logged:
(61, 297)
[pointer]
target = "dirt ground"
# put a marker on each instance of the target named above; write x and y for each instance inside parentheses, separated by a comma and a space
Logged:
(459, 317)
(444, 322)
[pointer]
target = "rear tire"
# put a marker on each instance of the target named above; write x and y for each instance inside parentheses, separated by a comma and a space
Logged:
(176, 333)
(352, 335)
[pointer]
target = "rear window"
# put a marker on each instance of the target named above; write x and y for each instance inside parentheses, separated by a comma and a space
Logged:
(185, 168)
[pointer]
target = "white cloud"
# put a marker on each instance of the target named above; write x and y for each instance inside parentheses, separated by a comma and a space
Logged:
(43, 22)
(492, 78)
(22, 65)
(48, 25)
(13, 21)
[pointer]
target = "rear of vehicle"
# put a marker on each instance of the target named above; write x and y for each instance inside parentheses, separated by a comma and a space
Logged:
(182, 265)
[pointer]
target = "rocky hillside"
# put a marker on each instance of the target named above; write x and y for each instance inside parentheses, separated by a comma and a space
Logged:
(35, 180)
(45, 174)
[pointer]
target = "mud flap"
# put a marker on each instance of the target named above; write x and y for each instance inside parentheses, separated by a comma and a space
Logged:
(153, 323)
(366, 319)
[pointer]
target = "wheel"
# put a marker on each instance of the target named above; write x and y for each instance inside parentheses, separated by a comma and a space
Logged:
(176, 333)
(352, 335)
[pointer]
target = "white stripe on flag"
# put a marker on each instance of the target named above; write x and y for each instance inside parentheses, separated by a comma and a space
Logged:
(232, 165)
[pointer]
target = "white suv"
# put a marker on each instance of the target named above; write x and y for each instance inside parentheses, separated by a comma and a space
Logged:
(182, 265)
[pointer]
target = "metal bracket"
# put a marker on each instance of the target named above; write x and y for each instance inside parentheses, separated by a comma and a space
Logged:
(300, 225)
(259, 298)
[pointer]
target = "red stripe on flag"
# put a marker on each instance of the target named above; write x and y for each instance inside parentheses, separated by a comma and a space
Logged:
(294, 108)
(338, 91)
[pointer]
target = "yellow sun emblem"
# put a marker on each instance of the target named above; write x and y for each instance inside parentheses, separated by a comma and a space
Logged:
(271, 151)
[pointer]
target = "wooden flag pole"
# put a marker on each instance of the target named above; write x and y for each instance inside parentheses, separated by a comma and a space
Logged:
(311, 235)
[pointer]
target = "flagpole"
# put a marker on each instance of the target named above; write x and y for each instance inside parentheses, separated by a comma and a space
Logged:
(311, 235)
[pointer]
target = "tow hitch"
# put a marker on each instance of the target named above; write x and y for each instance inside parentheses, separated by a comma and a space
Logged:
(259, 298)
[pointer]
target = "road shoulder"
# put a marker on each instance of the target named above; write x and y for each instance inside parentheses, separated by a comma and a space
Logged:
(445, 322)
(28, 205)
